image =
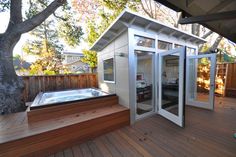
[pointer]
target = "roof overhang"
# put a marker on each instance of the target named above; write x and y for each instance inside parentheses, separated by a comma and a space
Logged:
(217, 15)
(128, 19)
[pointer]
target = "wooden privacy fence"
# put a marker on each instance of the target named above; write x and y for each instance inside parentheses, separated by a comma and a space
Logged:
(226, 79)
(230, 84)
(36, 84)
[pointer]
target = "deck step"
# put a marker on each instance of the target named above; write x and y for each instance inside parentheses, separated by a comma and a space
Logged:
(55, 111)
(41, 138)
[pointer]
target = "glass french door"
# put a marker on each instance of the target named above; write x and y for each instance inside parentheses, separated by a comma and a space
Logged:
(171, 85)
(144, 83)
(200, 86)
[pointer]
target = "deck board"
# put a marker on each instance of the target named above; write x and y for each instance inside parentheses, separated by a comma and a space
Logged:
(41, 138)
(9, 132)
(206, 133)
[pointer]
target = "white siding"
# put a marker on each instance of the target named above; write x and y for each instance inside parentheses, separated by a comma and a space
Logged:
(121, 85)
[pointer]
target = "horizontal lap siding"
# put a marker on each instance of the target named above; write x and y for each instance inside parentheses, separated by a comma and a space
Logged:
(36, 84)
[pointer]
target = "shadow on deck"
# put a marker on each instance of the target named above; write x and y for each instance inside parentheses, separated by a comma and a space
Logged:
(207, 133)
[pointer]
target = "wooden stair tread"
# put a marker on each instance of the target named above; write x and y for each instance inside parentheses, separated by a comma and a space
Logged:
(20, 128)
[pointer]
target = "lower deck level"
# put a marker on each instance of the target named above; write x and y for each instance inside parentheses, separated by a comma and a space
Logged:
(206, 133)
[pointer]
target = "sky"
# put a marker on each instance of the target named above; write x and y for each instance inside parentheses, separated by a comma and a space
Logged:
(4, 17)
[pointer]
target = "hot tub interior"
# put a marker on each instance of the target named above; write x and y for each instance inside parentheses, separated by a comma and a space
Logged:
(48, 98)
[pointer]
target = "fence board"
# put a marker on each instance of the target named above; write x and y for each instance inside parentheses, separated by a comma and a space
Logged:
(230, 90)
(36, 84)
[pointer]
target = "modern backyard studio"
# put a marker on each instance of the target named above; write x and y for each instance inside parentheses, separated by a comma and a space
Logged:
(147, 102)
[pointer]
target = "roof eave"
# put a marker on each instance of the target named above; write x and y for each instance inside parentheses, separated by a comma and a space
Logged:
(96, 46)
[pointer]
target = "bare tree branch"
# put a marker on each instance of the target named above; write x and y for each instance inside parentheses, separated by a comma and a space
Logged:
(207, 34)
(42, 2)
(54, 14)
(155, 10)
(150, 4)
(36, 20)
(59, 17)
(195, 29)
(216, 43)
(144, 9)
(146, 4)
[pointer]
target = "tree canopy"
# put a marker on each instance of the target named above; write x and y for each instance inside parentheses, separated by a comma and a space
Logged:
(90, 58)
(48, 39)
(103, 12)
(24, 17)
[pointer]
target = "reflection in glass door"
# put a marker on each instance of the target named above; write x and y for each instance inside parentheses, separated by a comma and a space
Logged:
(201, 83)
(201, 80)
(144, 83)
(171, 85)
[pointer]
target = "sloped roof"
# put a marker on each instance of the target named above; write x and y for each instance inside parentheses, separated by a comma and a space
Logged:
(73, 53)
(20, 64)
(128, 19)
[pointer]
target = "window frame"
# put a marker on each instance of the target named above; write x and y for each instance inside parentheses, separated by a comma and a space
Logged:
(172, 44)
(145, 37)
(176, 45)
(191, 48)
(108, 81)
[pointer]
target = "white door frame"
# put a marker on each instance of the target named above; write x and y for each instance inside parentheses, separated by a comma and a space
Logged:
(206, 105)
(179, 120)
(132, 70)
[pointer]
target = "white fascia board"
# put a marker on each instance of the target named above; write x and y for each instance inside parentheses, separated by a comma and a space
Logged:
(200, 40)
(121, 14)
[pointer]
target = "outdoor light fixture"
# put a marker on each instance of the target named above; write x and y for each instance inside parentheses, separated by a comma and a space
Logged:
(121, 54)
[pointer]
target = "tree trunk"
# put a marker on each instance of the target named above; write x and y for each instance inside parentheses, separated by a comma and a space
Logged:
(216, 43)
(196, 29)
(11, 86)
(207, 34)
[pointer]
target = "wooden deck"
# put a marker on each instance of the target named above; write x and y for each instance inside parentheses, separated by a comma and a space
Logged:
(65, 127)
(206, 134)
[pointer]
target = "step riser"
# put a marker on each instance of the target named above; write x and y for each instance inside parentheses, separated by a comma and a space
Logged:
(56, 140)
(70, 108)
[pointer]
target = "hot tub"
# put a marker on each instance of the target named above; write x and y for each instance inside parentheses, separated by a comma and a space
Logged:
(62, 97)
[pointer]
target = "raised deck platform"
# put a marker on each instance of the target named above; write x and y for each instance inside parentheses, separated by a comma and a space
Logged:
(43, 136)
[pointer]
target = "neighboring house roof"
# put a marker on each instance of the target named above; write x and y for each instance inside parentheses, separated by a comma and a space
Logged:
(76, 57)
(128, 19)
(18, 65)
(217, 15)
(71, 63)
(73, 53)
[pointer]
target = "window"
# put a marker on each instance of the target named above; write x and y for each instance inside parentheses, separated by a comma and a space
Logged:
(163, 45)
(191, 51)
(178, 46)
(108, 69)
(145, 42)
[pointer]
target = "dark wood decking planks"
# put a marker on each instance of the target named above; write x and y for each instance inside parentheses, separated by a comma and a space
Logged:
(76, 151)
(207, 133)
(44, 137)
(85, 150)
